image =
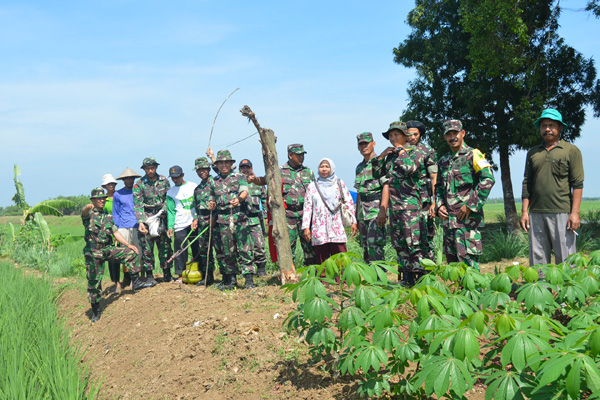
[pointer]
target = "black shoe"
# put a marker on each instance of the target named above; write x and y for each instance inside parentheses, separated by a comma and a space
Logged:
(224, 282)
(233, 281)
(138, 284)
(167, 277)
(95, 312)
(150, 281)
(408, 278)
(249, 281)
(261, 270)
(208, 279)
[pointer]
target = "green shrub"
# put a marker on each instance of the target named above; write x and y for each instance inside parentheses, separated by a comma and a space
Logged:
(499, 245)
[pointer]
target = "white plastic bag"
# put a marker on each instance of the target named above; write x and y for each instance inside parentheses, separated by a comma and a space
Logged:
(154, 223)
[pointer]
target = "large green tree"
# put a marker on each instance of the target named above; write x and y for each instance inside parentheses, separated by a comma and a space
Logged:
(495, 65)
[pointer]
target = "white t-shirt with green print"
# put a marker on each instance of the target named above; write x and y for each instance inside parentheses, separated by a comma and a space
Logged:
(180, 210)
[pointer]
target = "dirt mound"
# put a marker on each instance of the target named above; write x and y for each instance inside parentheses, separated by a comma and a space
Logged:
(187, 342)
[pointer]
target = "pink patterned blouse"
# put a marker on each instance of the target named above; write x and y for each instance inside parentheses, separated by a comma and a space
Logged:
(324, 226)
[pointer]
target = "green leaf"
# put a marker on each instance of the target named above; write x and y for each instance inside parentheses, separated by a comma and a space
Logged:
(530, 274)
(535, 294)
(504, 323)
(522, 346)
(351, 316)
(513, 271)
(493, 299)
(388, 338)
(594, 341)
(465, 344)
(501, 283)
(423, 307)
(371, 357)
(442, 375)
(362, 297)
(504, 385)
(317, 309)
(320, 335)
(554, 276)
(573, 379)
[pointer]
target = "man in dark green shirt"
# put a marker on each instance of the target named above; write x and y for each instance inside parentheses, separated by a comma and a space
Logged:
(552, 191)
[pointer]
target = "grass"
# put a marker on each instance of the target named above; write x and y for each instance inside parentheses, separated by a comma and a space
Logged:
(36, 361)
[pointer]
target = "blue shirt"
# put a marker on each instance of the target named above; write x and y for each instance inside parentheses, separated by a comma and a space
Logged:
(122, 212)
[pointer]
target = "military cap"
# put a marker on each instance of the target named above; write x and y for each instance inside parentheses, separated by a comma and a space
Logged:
(452, 125)
(200, 163)
(128, 173)
(364, 137)
(398, 125)
(224, 155)
(552, 114)
(149, 161)
(98, 193)
(245, 163)
(296, 148)
(175, 171)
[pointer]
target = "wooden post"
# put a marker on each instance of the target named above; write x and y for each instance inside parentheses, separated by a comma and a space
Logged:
(274, 184)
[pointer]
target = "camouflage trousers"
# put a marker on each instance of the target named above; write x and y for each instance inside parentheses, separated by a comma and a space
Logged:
(294, 226)
(163, 243)
(406, 237)
(463, 245)
(205, 252)
(257, 241)
(372, 240)
(94, 266)
(427, 234)
(233, 248)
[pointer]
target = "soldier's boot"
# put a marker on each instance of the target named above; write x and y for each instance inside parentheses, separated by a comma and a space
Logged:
(232, 284)
(224, 281)
(126, 279)
(249, 281)
(167, 277)
(95, 312)
(138, 284)
(262, 269)
(150, 281)
(208, 279)
(408, 277)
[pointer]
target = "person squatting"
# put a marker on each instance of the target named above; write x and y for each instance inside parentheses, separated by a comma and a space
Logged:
(400, 192)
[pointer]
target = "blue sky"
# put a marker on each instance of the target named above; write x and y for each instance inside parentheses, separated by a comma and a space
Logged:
(90, 88)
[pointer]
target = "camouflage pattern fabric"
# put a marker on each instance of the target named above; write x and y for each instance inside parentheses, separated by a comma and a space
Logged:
(459, 183)
(257, 242)
(150, 197)
(369, 190)
(428, 167)
(99, 230)
(464, 244)
(294, 226)
(232, 241)
(295, 182)
(464, 178)
(234, 248)
(372, 240)
(224, 190)
(203, 194)
(257, 198)
(406, 237)
(403, 178)
(163, 244)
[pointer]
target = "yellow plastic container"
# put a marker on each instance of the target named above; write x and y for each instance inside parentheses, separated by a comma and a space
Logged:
(191, 274)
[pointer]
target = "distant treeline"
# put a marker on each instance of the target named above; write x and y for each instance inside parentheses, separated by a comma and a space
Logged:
(519, 201)
(80, 201)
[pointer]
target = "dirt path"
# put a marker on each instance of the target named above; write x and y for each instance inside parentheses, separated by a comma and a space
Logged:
(188, 342)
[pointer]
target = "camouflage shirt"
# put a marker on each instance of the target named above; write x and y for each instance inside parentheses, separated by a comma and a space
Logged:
(99, 228)
(295, 182)
(226, 189)
(402, 171)
(428, 167)
(464, 177)
(202, 195)
(369, 190)
(150, 197)
(257, 197)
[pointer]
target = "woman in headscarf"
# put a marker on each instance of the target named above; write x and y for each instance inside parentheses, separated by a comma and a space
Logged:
(322, 220)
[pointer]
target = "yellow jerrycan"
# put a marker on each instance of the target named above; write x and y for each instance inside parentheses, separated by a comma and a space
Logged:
(191, 274)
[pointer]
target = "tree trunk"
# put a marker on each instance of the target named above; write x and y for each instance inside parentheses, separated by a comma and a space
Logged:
(274, 186)
(510, 210)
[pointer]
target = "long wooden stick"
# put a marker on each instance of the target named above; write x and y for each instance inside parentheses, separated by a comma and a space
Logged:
(218, 111)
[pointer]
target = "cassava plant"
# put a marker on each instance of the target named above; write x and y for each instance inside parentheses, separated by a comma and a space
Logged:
(524, 332)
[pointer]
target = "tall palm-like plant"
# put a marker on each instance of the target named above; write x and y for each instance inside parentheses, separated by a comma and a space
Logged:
(47, 207)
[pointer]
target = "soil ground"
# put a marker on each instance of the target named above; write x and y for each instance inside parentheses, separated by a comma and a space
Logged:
(187, 342)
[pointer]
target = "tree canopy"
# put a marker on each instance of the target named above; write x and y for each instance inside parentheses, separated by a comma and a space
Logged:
(494, 65)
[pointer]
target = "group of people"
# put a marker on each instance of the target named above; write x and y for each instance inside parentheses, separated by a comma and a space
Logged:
(400, 190)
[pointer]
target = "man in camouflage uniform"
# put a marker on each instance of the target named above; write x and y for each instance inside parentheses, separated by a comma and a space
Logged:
(149, 198)
(204, 204)
(99, 247)
(465, 181)
(233, 246)
(296, 178)
(372, 201)
(427, 179)
(401, 163)
(256, 206)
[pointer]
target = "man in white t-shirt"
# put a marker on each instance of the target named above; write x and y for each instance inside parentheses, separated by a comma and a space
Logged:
(180, 215)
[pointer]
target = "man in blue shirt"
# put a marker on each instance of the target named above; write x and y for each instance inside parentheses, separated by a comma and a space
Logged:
(124, 216)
